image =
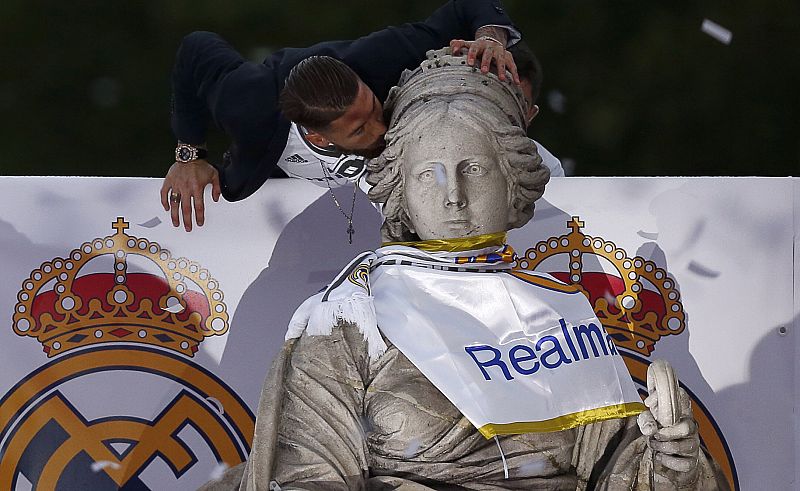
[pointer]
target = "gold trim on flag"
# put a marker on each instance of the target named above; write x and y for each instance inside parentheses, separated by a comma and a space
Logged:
(496, 239)
(550, 283)
(563, 422)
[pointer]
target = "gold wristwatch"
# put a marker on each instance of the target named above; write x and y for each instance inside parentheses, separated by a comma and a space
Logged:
(185, 153)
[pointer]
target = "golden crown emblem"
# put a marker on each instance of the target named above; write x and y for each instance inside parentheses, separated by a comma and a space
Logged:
(637, 304)
(176, 308)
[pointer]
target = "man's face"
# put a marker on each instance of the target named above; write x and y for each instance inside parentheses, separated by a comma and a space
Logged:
(453, 184)
(361, 128)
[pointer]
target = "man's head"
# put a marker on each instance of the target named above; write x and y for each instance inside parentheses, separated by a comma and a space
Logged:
(328, 98)
(530, 74)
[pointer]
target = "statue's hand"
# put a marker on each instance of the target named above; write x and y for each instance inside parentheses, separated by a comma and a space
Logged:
(674, 440)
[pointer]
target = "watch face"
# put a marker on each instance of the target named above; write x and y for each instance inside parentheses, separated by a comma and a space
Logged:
(185, 154)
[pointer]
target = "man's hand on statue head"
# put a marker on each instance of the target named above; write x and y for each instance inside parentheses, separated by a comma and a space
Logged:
(676, 448)
(183, 188)
(488, 50)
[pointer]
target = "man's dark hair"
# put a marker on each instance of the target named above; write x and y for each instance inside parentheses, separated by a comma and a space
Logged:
(528, 66)
(318, 91)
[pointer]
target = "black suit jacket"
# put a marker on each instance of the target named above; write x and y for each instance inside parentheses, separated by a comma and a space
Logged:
(212, 82)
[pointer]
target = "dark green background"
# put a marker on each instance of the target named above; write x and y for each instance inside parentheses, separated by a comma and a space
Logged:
(84, 88)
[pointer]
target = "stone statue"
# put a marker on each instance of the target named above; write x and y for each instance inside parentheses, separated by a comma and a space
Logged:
(439, 114)
(345, 407)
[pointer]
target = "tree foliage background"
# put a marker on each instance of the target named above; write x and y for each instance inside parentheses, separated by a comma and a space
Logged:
(631, 87)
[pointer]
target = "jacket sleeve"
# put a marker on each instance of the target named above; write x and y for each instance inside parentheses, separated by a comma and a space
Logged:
(202, 62)
(474, 14)
(212, 82)
(459, 19)
(381, 57)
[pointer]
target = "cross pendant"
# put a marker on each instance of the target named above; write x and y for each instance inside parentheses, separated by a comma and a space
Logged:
(350, 232)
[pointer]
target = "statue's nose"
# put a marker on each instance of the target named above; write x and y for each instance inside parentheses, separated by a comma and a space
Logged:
(455, 194)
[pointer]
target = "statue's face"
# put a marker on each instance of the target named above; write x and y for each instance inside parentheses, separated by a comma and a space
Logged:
(453, 183)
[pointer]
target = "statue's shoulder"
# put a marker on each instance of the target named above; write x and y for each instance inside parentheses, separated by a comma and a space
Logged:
(344, 344)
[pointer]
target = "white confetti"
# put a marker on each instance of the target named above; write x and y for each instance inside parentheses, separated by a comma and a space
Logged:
(175, 309)
(716, 31)
(102, 464)
(173, 305)
(557, 101)
(218, 471)
(532, 468)
(23, 484)
(215, 402)
(441, 178)
(610, 298)
(413, 448)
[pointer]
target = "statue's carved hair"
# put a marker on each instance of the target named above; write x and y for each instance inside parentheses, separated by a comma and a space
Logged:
(424, 100)
(318, 91)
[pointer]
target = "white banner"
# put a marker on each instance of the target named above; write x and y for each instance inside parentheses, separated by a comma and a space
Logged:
(515, 353)
(133, 353)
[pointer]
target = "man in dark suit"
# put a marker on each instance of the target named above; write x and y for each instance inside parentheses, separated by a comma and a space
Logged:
(212, 82)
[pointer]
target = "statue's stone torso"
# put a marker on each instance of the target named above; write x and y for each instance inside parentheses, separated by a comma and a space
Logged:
(416, 430)
(392, 421)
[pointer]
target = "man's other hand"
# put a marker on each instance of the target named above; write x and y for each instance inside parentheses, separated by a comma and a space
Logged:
(487, 50)
(184, 186)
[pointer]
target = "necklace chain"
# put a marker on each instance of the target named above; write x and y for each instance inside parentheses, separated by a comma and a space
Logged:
(328, 178)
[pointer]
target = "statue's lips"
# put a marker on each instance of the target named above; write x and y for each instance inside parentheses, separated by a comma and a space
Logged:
(461, 227)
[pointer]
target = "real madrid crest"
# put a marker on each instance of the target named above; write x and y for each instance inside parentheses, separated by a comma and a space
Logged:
(638, 303)
(125, 338)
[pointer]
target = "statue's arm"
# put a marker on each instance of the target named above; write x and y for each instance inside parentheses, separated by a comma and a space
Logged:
(660, 449)
(614, 455)
(319, 440)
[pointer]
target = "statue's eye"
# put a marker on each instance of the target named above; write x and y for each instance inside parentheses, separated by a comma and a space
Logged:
(474, 170)
(426, 175)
